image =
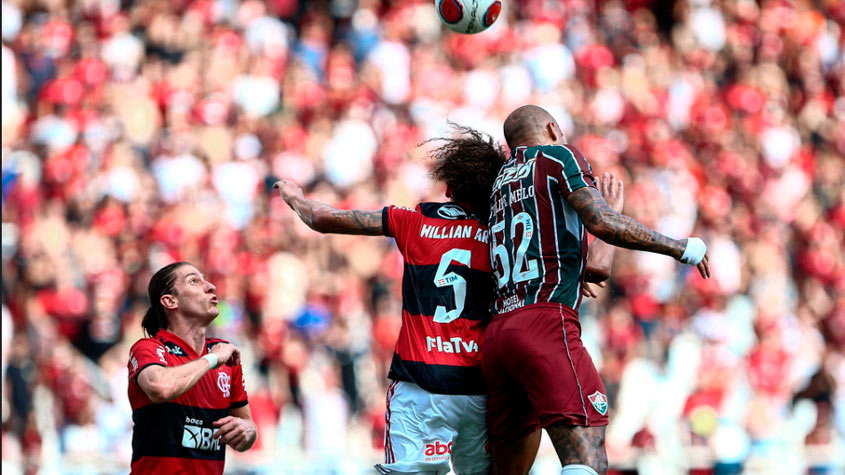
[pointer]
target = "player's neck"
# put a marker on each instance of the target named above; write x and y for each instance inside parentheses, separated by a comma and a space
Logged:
(540, 141)
(530, 143)
(192, 332)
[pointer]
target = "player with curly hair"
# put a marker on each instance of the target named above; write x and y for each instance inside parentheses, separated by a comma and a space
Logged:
(436, 400)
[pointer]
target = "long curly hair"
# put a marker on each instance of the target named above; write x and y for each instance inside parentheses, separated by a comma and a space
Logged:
(468, 164)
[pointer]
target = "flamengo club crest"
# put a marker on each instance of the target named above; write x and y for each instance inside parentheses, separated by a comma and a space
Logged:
(599, 401)
(224, 383)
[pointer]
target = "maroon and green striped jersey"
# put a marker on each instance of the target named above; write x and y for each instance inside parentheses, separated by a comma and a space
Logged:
(538, 244)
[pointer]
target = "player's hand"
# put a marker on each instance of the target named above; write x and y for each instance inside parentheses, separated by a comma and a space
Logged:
(287, 189)
(613, 191)
(704, 267)
(235, 432)
(227, 353)
(589, 291)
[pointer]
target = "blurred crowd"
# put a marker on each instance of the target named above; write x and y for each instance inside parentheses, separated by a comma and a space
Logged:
(137, 133)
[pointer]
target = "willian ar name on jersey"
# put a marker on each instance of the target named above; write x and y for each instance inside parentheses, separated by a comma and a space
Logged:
(453, 231)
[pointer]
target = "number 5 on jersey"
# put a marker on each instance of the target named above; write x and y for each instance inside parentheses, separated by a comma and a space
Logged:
(458, 284)
(523, 268)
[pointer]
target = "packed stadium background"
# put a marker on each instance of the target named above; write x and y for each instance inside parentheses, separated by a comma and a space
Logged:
(137, 133)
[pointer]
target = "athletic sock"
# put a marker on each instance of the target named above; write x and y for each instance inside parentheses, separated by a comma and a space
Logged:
(577, 470)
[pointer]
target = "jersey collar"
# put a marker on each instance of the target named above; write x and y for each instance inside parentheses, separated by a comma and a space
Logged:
(182, 343)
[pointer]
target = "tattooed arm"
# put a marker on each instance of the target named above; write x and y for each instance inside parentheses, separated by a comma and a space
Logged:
(326, 219)
(615, 228)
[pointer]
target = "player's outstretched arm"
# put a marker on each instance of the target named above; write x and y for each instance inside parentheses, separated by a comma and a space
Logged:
(600, 258)
(326, 219)
(615, 228)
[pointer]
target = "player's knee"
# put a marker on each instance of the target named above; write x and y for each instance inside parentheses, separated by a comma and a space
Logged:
(597, 463)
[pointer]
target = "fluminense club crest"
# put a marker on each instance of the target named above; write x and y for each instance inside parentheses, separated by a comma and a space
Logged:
(599, 401)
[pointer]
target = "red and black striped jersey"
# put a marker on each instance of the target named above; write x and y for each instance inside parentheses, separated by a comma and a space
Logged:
(538, 244)
(446, 295)
(177, 436)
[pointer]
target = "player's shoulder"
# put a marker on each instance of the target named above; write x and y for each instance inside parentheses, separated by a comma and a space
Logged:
(450, 211)
(558, 153)
(403, 208)
(149, 341)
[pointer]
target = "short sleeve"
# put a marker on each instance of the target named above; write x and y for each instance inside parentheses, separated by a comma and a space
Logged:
(576, 171)
(401, 223)
(238, 398)
(146, 352)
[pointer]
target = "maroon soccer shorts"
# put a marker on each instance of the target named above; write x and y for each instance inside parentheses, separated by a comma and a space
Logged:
(538, 372)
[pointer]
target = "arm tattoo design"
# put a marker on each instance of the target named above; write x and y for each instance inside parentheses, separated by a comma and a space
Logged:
(326, 219)
(356, 222)
(617, 229)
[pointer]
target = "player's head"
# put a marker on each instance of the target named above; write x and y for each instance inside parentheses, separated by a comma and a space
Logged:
(179, 288)
(468, 164)
(532, 125)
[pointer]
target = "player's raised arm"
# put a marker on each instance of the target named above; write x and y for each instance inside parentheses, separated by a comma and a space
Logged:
(615, 228)
(327, 219)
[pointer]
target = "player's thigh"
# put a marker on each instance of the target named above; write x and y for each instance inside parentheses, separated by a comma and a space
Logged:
(558, 375)
(417, 432)
(470, 448)
(509, 412)
(579, 445)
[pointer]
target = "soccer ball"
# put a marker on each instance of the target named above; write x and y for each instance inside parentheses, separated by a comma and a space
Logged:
(468, 16)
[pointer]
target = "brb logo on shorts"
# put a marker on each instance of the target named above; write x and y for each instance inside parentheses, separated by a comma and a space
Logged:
(437, 451)
(194, 436)
(224, 383)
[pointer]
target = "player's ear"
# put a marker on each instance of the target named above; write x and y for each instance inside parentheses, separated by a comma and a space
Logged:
(448, 191)
(169, 302)
(552, 131)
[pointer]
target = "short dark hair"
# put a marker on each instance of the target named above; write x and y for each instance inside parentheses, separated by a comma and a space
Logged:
(161, 283)
(468, 164)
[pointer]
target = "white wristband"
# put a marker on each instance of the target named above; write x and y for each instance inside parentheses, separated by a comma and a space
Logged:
(212, 358)
(694, 252)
